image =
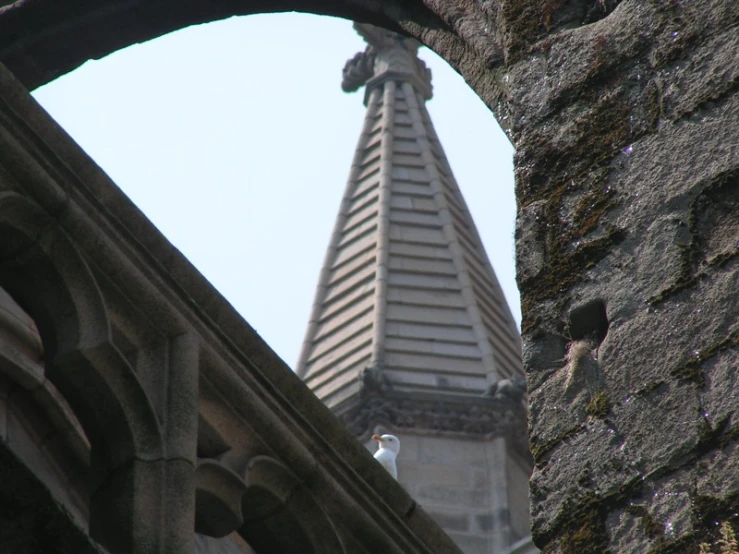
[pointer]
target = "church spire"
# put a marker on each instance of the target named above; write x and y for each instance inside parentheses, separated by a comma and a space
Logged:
(410, 328)
(407, 298)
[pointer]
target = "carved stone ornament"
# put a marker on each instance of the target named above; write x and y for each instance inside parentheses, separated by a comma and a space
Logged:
(387, 55)
(476, 416)
(374, 381)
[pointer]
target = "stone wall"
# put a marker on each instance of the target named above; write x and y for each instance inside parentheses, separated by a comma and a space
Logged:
(462, 483)
(628, 187)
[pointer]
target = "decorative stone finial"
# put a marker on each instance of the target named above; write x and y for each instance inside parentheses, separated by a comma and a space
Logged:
(388, 56)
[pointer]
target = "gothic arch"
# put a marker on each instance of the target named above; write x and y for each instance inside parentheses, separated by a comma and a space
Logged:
(59, 36)
(281, 515)
(218, 493)
(47, 276)
(40, 428)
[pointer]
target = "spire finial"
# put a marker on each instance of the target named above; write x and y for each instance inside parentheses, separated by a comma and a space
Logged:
(388, 55)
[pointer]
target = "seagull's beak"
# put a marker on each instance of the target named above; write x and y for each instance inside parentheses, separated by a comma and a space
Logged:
(378, 438)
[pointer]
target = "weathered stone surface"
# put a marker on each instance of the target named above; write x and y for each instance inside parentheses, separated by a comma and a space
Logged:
(623, 114)
(478, 501)
(627, 173)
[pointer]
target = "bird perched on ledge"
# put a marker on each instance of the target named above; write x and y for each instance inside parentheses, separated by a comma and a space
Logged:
(389, 446)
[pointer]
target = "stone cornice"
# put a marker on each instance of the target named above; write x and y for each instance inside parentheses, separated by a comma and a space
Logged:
(470, 416)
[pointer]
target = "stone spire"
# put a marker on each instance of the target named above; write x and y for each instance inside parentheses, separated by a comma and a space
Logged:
(407, 298)
(410, 330)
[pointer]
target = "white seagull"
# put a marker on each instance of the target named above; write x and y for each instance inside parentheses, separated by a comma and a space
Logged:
(389, 446)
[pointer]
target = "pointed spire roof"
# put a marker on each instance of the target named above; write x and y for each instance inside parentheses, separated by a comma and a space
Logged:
(407, 297)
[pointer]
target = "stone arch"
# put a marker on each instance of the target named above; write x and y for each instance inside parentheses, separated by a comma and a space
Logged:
(57, 40)
(46, 275)
(218, 493)
(281, 515)
(40, 431)
(43, 272)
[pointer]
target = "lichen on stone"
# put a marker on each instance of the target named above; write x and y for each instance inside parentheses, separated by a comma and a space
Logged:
(599, 405)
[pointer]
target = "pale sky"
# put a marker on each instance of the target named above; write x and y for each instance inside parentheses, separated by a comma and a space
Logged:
(236, 140)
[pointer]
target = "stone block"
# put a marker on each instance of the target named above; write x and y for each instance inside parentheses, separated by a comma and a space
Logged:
(410, 377)
(421, 265)
(438, 495)
(532, 256)
(369, 225)
(413, 218)
(446, 451)
(409, 161)
(670, 506)
(365, 246)
(718, 475)
(353, 258)
(472, 544)
(424, 331)
(567, 476)
(660, 514)
(456, 476)
(660, 253)
(718, 359)
(451, 521)
(484, 522)
(409, 449)
(400, 202)
(479, 478)
(518, 498)
(407, 233)
(627, 532)
(348, 283)
(336, 347)
(428, 363)
(406, 146)
(451, 299)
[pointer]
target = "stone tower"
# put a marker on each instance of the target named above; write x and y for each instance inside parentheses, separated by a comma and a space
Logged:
(410, 331)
